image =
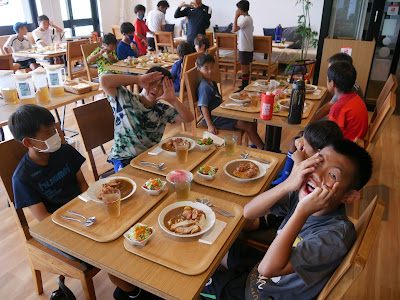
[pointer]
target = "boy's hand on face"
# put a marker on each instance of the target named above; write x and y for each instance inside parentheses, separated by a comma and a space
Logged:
(169, 91)
(194, 4)
(317, 199)
(212, 129)
(238, 13)
(103, 50)
(146, 79)
(300, 172)
(299, 143)
(51, 23)
(298, 156)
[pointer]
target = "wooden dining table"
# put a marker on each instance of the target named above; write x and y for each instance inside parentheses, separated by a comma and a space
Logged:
(156, 278)
(273, 126)
(48, 54)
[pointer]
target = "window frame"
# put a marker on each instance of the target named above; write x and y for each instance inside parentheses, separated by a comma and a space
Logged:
(8, 30)
(71, 23)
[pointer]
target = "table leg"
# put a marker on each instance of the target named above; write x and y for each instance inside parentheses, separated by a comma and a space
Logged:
(268, 137)
(272, 138)
(51, 60)
(2, 136)
(276, 143)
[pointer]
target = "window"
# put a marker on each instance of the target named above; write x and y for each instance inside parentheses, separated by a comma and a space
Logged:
(15, 11)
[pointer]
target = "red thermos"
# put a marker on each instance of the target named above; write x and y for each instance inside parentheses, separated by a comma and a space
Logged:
(267, 106)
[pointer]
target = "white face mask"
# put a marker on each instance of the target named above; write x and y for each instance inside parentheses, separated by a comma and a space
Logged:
(53, 143)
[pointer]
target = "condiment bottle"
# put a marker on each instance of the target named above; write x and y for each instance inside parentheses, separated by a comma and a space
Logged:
(267, 106)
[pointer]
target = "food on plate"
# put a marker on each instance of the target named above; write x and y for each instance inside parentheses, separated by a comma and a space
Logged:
(153, 184)
(208, 170)
(139, 232)
(171, 143)
(185, 220)
(142, 64)
(247, 170)
(205, 141)
(243, 95)
(123, 185)
(282, 81)
(277, 108)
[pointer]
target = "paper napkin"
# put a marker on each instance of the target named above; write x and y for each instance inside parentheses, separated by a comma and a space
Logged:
(217, 140)
(210, 236)
(155, 151)
(317, 92)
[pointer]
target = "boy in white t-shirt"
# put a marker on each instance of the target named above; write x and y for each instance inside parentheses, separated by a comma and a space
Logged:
(18, 42)
(44, 35)
(156, 22)
(244, 26)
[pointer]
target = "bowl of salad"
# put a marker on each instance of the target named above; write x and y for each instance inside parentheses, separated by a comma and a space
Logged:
(204, 144)
(207, 172)
(139, 234)
(154, 186)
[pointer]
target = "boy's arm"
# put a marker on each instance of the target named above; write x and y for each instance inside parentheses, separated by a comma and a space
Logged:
(58, 29)
(93, 57)
(276, 260)
(142, 38)
(179, 12)
(322, 112)
(235, 25)
(260, 205)
(81, 181)
(207, 117)
(135, 49)
(110, 83)
(39, 211)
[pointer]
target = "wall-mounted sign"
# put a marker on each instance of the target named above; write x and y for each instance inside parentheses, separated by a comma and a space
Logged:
(346, 50)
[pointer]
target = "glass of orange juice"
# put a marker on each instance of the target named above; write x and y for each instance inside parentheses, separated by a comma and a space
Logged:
(112, 203)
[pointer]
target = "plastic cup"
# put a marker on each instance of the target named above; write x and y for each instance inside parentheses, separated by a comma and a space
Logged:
(182, 189)
(230, 144)
(112, 204)
(182, 151)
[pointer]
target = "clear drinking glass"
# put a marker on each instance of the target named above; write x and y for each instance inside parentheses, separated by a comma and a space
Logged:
(181, 151)
(230, 144)
(182, 189)
(112, 204)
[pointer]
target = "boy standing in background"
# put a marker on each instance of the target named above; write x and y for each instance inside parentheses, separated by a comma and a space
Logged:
(156, 22)
(141, 29)
(244, 26)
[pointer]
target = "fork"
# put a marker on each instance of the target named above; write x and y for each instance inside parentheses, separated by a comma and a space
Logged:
(150, 164)
(246, 155)
(218, 209)
(92, 219)
(84, 223)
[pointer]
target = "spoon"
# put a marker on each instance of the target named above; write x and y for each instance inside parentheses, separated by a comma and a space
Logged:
(84, 223)
(92, 219)
(157, 166)
(245, 155)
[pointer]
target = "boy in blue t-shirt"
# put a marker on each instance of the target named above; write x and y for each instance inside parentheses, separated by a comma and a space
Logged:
(127, 46)
(49, 174)
(210, 98)
(183, 49)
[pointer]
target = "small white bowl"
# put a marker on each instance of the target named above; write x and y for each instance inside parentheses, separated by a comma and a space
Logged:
(155, 192)
(204, 147)
(207, 177)
(137, 243)
(188, 174)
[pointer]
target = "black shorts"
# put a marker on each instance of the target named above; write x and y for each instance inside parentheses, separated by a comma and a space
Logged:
(245, 58)
(26, 63)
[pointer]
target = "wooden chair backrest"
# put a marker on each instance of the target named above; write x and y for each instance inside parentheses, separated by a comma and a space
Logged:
(381, 119)
(210, 37)
(192, 81)
(355, 261)
(226, 41)
(164, 39)
(189, 62)
(12, 152)
(6, 62)
(391, 85)
(96, 125)
(263, 44)
(3, 40)
(213, 51)
(74, 53)
(115, 29)
(87, 49)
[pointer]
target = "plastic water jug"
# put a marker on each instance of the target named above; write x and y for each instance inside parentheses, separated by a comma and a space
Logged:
(42, 89)
(25, 88)
(7, 87)
(55, 79)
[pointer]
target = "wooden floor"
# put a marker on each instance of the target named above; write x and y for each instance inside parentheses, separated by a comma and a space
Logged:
(380, 279)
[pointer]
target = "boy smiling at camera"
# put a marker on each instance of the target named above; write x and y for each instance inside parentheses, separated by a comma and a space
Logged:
(140, 119)
(313, 238)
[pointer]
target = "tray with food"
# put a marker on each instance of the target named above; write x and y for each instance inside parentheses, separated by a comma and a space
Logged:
(136, 203)
(245, 177)
(281, 108)
(168, 158)
(246, 107)
(243, 97)
(177, 228)
(77, 87)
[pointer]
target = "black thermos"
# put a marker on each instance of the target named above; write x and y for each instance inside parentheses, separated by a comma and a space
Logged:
(297, 99)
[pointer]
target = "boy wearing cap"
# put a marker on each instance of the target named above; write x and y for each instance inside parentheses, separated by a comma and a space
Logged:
(18, 42)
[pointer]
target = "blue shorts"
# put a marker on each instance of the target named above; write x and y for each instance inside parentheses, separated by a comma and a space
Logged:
(26, 63)
(221, 123)
(119, 163)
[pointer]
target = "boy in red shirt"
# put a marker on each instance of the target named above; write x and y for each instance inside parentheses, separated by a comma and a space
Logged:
(141, 29)
(349, 112)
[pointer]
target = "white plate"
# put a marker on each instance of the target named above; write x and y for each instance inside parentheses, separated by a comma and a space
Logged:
(94, 188)
(287, 101)
(262, 82)
(192, 143)
(235, 97)
(210, 217)
(311, 88)
(262, 170)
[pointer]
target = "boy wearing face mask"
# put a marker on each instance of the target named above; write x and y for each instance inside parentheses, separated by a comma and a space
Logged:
(141, 29)
(127, 46)
(49, 174)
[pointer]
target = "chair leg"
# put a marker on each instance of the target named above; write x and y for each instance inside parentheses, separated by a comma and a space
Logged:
(102, 149)
(37, 279)
(183, 126)
(88, 287)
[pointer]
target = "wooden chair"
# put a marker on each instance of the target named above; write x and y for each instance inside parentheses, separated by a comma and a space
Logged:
(263, 44)
(164, 39)
(115, 29)
(6, 62)
(40, 257)
(210, 37)
(96, 125)
(192, 80)
(87, 49)
(74, 54)
(389, 87)
(213, 51)
(355, 261)
(229, 64)
(3, 40)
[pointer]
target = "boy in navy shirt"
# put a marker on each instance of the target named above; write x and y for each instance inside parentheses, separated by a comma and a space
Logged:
(183, 49)
(127, 46)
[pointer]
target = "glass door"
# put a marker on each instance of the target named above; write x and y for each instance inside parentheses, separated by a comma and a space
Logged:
(383, 24)
(80, 17)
